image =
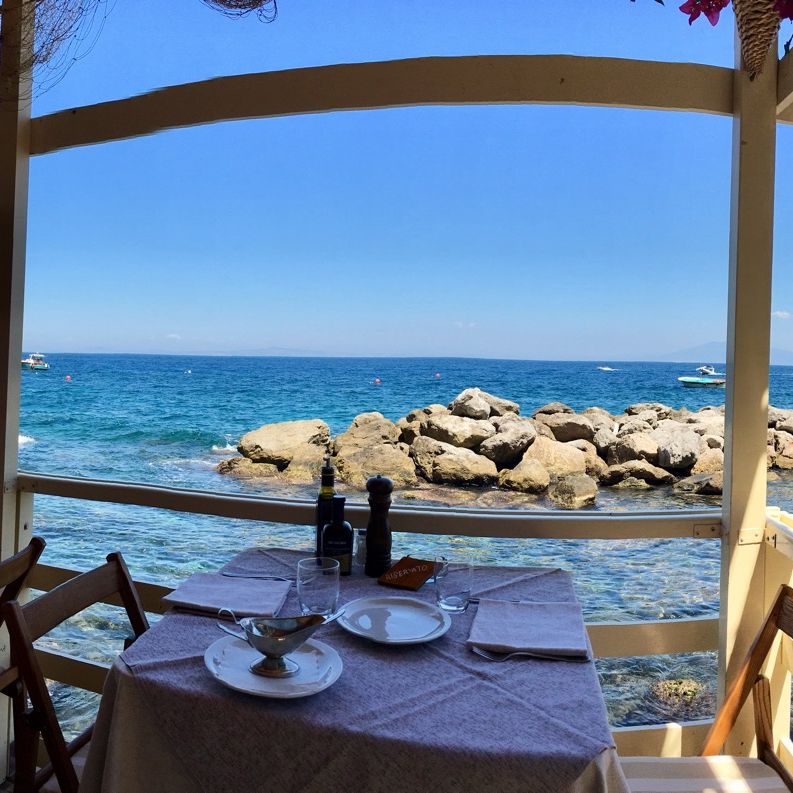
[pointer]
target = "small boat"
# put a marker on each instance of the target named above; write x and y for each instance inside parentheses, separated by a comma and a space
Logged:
(708, 371)
(36, 362)
(606, 369)
(702, 382)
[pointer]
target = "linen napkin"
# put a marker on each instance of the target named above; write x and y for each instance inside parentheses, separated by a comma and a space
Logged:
(552, 629)
(246, 597)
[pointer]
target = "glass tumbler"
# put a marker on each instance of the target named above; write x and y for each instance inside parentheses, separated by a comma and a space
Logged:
(453, 578)
(318, 585)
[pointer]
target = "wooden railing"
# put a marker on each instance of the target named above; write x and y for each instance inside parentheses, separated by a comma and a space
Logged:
(609, 639)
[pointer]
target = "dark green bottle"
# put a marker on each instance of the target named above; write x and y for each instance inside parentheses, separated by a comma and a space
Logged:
(327, 490)
(337, 537)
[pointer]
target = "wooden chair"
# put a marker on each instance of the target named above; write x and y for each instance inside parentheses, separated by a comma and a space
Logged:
(711, 771)
(30, 622)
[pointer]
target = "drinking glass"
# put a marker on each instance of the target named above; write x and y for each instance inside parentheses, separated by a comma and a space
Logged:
(453, 579)
(318, 585)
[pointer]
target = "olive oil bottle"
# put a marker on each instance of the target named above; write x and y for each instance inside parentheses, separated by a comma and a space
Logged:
(327, 490)
(337, 537)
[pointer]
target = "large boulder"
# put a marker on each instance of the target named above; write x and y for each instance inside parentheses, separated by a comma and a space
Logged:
(633, 424)
(356, 464)
(367, 429)
(305, 467)
(638, 469)
(452, 465)
(775, 416)
(568, 426)
(709, 462)
(601, 419)
(528, 476)
(638, 446)
(458, 431)
(574, 492)
(278, 443)
(660, 410)
(557, 458)
(704, 484)
(431, 410)
(604, 439)
(471, 401)
(552, 407)
(507, 446)
(408, 430)
(677, 448)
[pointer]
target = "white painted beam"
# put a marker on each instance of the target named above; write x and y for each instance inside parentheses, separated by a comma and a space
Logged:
(466, 80)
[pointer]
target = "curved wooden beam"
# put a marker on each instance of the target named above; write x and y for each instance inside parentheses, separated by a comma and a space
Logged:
(486, 79)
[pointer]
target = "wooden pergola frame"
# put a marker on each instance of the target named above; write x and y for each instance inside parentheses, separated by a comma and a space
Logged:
(750, 575)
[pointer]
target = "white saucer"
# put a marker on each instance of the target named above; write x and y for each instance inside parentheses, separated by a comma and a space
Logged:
(394, 620)
(228, 659)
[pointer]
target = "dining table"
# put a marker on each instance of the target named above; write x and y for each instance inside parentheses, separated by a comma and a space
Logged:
(428, 716)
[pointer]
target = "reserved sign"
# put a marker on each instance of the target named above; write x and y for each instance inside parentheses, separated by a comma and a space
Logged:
(408, 573)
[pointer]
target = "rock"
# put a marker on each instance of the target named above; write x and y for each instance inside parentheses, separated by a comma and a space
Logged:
(638, 446)
(246, 469)
(709, 462)
(661, 411)
(542, 429)
(568, 426)
(676, 448)
(557, 458)
(650, 416)
(356, 464)
(367, 429)
(470, 405)
(784, 458)
(420, 414)
(638, 469)
(529, 476)
(305, 465)
(409, 431)
(552, 407)
(713, 441)
(423, 451)
(277, 443)
(601, 422)
(676, 692)
(775, 416)
(692, 484)
(458, 431)
(507, 446)
(498, 405)
(713, 486)
(574, 492)
(634, 424)
(458, 466)
(603, 440)
(786, 425)
(632, 483)
(713, 425)
(780, 439)
(773, 476)
(595, 467)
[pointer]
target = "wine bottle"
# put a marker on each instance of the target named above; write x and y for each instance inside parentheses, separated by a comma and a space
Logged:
(327, 490)
(337, 537)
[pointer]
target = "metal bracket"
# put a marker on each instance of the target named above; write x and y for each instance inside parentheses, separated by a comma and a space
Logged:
(751, 536)
(771, 539)
(707, 530)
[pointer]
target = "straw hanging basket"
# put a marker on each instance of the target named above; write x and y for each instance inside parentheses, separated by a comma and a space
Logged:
(758, 23)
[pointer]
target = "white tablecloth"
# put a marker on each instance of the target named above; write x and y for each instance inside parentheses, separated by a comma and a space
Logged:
(427, 717)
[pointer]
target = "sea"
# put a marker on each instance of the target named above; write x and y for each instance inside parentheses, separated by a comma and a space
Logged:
(169, 420)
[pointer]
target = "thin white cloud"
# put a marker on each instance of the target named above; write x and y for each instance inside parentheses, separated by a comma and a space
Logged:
(173, 336)
(780, 314)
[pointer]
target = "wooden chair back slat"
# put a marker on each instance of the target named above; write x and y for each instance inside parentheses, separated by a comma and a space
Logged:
(785, 619)
(35, 619)
(745, 679)
(15, 570)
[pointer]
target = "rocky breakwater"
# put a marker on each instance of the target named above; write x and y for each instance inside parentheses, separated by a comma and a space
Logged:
(482, 442)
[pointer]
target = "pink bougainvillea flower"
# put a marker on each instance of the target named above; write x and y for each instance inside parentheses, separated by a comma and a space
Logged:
(710, 8)
(784, 8)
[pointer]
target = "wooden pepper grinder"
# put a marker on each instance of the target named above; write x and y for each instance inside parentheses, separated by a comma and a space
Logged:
(378, 532)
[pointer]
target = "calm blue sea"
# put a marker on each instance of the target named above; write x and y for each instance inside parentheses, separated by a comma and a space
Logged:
(170, 420)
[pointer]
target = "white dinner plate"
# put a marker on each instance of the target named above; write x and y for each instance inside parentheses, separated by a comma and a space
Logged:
(394, 620)
(228, 660)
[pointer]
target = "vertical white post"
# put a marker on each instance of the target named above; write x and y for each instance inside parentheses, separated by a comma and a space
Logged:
(748, 342)
(15, 89)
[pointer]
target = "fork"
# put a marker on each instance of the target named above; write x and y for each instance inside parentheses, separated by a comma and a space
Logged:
(493, 656)
(259, 576)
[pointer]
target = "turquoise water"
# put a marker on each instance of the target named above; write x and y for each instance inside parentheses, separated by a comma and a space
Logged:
(169, 420)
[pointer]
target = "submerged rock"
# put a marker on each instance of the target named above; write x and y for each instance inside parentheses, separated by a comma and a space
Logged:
(638, 469)
(574, 492)
(246, 469)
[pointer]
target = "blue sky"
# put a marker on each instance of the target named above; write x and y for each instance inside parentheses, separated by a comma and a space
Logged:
(500, 231)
